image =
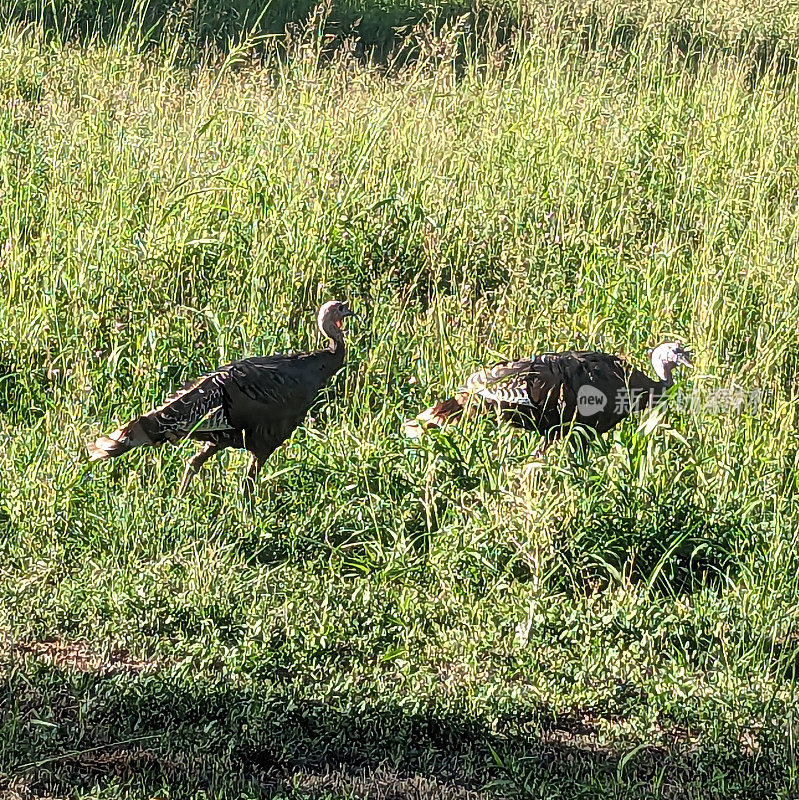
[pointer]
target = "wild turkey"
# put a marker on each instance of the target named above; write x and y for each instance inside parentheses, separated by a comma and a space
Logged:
(255, 403)
(553, 391)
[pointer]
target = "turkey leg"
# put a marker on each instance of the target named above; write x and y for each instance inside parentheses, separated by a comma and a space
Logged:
(195, 463)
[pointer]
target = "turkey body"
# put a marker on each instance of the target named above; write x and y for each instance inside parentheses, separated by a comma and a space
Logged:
(255, 403)
(553, 392)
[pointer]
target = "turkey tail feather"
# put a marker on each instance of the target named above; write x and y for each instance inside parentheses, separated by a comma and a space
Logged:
(119, 442)
(437, 415)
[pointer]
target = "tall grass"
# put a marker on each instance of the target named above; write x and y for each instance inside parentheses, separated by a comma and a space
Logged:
(436, 616)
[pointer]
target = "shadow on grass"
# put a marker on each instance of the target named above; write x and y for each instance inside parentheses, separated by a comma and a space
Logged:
(93, 730)
(385, 32)
(380, 30)
(764, 52)
(674, 548)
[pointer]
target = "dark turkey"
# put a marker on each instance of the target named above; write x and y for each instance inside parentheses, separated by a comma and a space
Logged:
(553, 392)
(254, 403)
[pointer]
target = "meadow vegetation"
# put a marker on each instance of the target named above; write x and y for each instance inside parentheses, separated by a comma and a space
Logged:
(446, 618)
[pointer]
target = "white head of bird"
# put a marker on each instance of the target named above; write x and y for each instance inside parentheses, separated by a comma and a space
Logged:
(331, 315)
(667, 356)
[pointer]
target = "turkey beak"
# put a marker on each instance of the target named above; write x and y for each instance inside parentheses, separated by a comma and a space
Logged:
(685, 360)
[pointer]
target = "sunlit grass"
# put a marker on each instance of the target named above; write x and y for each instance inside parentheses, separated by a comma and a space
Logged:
(158, 219)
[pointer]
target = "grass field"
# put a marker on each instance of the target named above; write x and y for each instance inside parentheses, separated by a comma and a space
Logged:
(447, 618)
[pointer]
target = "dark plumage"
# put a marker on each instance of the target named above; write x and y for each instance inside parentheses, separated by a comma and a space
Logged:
(552, 392)
(254, 403)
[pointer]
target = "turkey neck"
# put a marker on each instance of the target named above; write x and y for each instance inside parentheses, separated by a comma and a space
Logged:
(336, 336)
(663, 372)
